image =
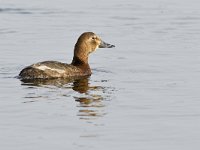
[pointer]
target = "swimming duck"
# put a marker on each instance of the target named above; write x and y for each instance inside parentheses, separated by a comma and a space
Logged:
(87, 43)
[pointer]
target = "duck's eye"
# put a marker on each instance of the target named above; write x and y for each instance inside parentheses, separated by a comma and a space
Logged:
(93, 38)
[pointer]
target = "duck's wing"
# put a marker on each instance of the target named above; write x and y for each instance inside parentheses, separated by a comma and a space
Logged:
(57, 67)
(49, 69)
(53, 66)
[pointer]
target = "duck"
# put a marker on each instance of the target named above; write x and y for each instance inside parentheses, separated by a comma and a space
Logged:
(87, 43)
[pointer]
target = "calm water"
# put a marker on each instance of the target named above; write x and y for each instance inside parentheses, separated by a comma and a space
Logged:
(143, 95)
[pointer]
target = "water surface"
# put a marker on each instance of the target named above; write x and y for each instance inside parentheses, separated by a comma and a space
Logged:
(143, 94)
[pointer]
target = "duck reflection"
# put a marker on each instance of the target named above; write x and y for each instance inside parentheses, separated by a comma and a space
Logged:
(89, 102)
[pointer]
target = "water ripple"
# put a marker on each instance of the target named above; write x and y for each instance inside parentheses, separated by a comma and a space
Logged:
(90, 98)
(27, 11)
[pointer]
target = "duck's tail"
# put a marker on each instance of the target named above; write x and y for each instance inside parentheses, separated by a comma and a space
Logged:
(32, 73)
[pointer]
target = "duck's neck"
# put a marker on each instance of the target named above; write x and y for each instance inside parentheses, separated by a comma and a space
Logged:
(78, 61)
(80, 58)
(82, 64)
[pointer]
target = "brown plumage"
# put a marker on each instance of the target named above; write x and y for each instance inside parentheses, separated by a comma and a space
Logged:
(86, 44)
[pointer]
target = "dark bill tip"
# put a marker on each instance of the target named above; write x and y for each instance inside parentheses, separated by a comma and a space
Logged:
(105, 45)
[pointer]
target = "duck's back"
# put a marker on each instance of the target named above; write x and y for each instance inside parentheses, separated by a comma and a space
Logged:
(51, 69)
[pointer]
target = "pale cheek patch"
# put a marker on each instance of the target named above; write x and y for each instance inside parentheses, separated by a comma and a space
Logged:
(96, 48)
(43, 67)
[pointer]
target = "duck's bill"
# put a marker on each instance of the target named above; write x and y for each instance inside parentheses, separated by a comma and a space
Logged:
(105, 45)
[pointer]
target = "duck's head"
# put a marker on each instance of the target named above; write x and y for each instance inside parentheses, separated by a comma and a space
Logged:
(87, 43)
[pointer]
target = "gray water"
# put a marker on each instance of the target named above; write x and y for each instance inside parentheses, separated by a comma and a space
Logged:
(144, 94)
